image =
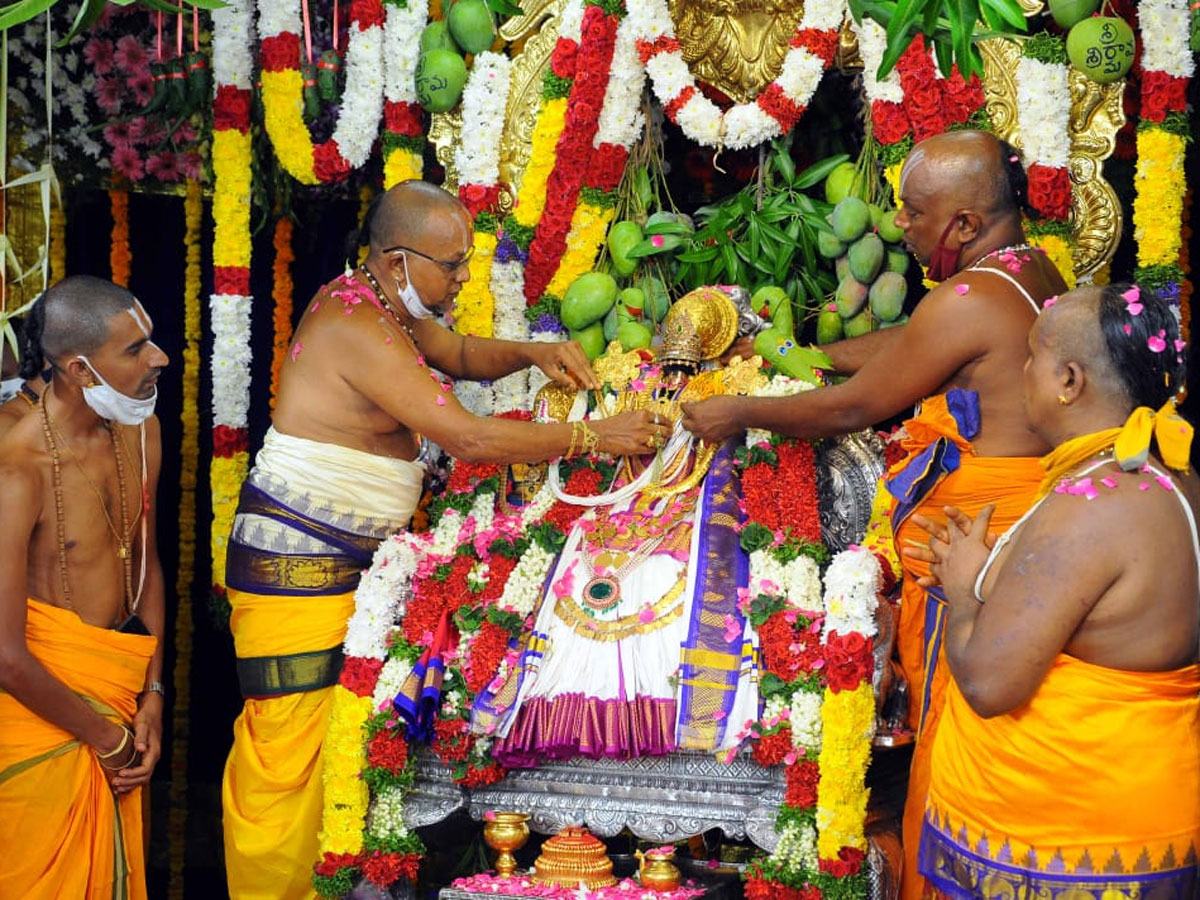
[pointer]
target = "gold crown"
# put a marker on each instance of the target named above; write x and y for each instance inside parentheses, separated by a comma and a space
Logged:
(700, 325)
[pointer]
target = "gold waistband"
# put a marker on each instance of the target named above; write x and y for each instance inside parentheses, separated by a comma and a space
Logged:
(274, 676)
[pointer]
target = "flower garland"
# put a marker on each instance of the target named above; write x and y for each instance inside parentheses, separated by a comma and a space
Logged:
(189, 454)
(1163, 132)
(478, 163)
(281, 294)
(58, 242)
(120, 258)
(279, 29)
(229, 305)
(475, 580)
(772, 113)
(403, 120)
(619, 125)
(1043, 118)
(574, 150)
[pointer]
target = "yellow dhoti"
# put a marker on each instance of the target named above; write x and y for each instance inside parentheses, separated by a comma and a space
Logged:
(310, 517)
(1090, 791)
(940, 470)
(63, 832)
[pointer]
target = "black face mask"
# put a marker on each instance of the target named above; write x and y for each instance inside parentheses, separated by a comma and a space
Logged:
(944, 261)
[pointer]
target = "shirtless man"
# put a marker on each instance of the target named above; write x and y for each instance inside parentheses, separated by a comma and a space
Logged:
(1071, 728)
(337, 474)
(19, 393)
(80, 674)
(961, 354)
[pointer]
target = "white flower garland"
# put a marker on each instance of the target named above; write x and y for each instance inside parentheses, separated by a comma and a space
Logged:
(524, 585)
(1167, 51)
(382, 596)
(621, 119)
(799, 581)
(401, 48)
(852, 584)
(231, 358)
(805, 718)
(745, 124)
(1043, 112)
(477, 156)
(232, 54)
(391, 677)
(508, 324)
(872, 42)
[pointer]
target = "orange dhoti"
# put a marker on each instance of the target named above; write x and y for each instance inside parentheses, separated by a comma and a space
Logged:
(940, 470)
(63, 831)
(1089, 790)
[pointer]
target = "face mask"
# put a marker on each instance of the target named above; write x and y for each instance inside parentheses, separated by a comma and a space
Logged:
(108, 403)
(9, 388)
(944, 261)
(410, 298)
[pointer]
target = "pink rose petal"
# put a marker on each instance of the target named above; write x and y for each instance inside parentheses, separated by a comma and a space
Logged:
(1143, 485)
(1128, 329)
(1134, 309)
(1108, 481)
(1156, 344)
(1049, 302)
(296, 348)
(961, 289)
(1179, 345)
(441, 401)
(1165, 483)
(1132, 295)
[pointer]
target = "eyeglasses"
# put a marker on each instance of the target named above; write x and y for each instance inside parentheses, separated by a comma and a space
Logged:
(449, 267)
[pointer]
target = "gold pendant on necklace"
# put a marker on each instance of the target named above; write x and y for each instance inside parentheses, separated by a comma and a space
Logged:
(123, 551)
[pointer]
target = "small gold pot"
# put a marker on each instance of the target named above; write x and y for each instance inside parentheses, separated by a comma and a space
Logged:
(657, 871)
(505, 832)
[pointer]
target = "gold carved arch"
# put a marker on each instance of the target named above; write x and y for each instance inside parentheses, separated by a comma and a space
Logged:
(738, 46)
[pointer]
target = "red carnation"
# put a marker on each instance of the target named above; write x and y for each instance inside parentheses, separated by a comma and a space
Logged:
(479, 198)
(385, 869)
(608, 165)
(889, 121)
(467, 476)
(780, 107)
(849, 861)
(820, 43)
(403, 118)
(367, 13)
(1050, 191)
(961, 97)
(776, 636)
(328, 163)
(280, 52)
(231, 109)
(233, 280)
(678, 102)
(484, 656)
(770, 749)
(452, 743)
(499, 568)
(476, 777)
(848, 661)
(661, 44)
(563, 59)
(760, 888)
(360, 674)
(228, 441)
(1162, 94)
(387, 751)
(802, 781)
(332, 863)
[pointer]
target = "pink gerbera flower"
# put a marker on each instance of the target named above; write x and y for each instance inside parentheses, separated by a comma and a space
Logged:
(190, 164)
(185, 134)
(118, 134)
(109, 92)
(130, 55)
(128, 162)
(163, 166)
(98, 53)
(136, 129)
(141, 85)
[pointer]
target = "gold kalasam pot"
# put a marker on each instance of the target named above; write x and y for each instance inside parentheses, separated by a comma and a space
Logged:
(505, 832)
(657, 871)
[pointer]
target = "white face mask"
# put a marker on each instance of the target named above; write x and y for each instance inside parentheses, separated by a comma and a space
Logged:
(410, 298)
(109, 403)
(9, 388)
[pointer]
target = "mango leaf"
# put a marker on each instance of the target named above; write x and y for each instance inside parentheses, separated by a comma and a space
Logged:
(818, 172)
(505, 8)
(89, 12)
(22, 12)
(644, 248)
(698, 255)
(1008, 10)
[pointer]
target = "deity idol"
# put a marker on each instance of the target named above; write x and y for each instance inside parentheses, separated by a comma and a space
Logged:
(638, 646)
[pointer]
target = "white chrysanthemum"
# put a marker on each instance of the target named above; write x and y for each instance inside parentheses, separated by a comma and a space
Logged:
(362, 100)
(805, 720)
(651, 19)
(570, 24)
(823, 15)
(1043, 112)
(277, 16)
(1164, 25)
(391, 678)
(382, 595)
(386, 818)
(701, 120)
(524, 585)
(483, 105)
(670, 75)
(230, 316)
(801, 73)
(401, 48)
(852, 584)
(748, 125)
(232, 58)
(621, 117)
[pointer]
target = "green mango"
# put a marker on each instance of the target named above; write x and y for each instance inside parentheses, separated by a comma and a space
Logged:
(1068, 12)
(777, 306)
(866, 257)
(829, 326)
(440, 77)
(672, 223)
(612, 323)
(850, 219)
(623, 237)
(841, 266)
(591, 339)
(436, 36)
(658, 300)
(851, 297)
(903, 320)
(471, 25)
(631, 305)
(876, 212)
(897, 261)
(1101, 48)
(859, 324)
(888, 229)
(588, 299)
(887, 296)
(634, 336)
(840, 182)
(829, 246)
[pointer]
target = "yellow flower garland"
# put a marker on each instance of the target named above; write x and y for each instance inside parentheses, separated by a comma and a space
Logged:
(58, 243)
(589, 225)
(193, 208)
(1059, 252)
(343, 758)
(475, 306)
(401, 165)
(231, 198)
(226, 475)
(531, 198)
(120, 258)
(284, 122)
(847, 722)
(1158, 206)
(281, 293)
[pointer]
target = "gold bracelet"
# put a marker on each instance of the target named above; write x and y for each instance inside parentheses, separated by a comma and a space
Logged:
(591, 440)
(117, 749)
(570, 454)
(133, 755)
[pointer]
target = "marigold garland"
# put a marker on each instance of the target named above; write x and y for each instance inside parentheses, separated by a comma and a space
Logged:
(474, 308)
(120, 257)
(189, 455)
(403, 119)
(281, 294)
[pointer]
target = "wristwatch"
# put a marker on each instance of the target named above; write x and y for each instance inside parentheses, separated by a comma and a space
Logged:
(155, 687)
